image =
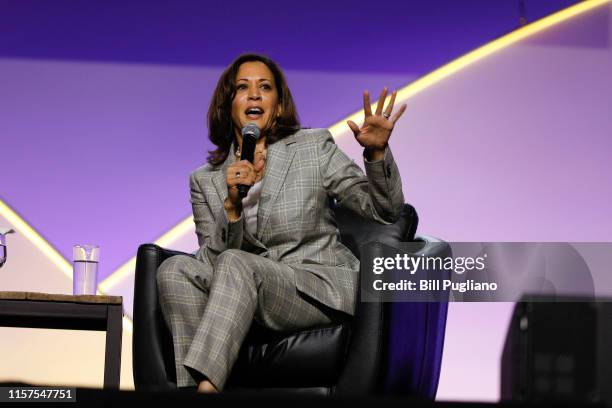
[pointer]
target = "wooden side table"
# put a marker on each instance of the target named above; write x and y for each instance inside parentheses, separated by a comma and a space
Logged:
(83, 312)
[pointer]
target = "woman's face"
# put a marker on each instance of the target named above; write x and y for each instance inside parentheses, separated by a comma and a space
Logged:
(256, 99)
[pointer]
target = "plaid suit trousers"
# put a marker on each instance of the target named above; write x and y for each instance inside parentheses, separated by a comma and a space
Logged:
(209, 309)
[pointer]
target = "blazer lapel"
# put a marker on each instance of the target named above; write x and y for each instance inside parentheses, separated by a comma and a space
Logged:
(218, 178)
(280, 156)
(220, 184)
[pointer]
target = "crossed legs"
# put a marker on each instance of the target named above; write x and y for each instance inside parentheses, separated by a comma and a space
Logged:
(209, 309)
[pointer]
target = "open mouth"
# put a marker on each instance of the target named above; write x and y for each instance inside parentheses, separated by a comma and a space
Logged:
(254, 113)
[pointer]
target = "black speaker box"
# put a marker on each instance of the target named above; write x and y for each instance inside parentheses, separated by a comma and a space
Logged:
(559, 350)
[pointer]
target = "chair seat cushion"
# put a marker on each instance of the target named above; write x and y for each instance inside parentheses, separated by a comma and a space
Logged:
(308, 358)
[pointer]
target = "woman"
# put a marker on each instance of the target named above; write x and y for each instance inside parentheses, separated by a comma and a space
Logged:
(273, 256)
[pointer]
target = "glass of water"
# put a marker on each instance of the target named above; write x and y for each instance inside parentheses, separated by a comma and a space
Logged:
(3, 249)
(85, 269)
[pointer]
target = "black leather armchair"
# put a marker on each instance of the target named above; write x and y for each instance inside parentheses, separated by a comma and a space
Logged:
(391, 348)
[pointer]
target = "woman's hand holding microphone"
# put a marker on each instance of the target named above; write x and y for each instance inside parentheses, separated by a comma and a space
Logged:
(238, 173)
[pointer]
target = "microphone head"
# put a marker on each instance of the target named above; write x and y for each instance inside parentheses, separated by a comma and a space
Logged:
(251, 130)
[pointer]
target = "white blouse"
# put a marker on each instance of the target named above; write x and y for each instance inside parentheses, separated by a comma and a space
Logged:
(250, 204)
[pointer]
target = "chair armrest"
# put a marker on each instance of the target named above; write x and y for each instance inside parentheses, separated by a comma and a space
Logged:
(397, 346)
(417, 341)
(153, 363)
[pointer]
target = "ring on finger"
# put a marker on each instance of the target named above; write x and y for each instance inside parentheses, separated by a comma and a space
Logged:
(386, 115)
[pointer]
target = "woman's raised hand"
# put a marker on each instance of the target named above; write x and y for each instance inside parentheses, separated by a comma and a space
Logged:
(374, 134)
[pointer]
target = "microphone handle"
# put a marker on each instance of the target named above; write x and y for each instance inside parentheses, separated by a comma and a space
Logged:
(248, 153)
(243, 190)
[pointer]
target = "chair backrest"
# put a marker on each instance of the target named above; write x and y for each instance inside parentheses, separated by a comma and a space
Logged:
(356, 231)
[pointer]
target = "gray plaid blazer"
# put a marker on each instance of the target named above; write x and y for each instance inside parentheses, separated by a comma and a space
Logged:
(295, 224)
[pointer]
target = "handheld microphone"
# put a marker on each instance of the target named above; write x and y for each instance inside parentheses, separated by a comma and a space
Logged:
(250, 134)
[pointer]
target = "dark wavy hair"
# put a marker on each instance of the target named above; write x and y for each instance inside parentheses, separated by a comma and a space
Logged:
(220, 125)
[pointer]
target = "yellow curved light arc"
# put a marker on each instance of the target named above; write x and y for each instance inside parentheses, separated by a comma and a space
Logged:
(474, 56)
(340, 127)
(36, 239)
(129, 267)
(337, 129)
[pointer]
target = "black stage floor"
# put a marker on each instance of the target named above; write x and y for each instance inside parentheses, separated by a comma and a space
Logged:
(106, 398)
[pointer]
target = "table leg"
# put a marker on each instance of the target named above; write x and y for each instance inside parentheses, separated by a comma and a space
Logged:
(112, 359)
